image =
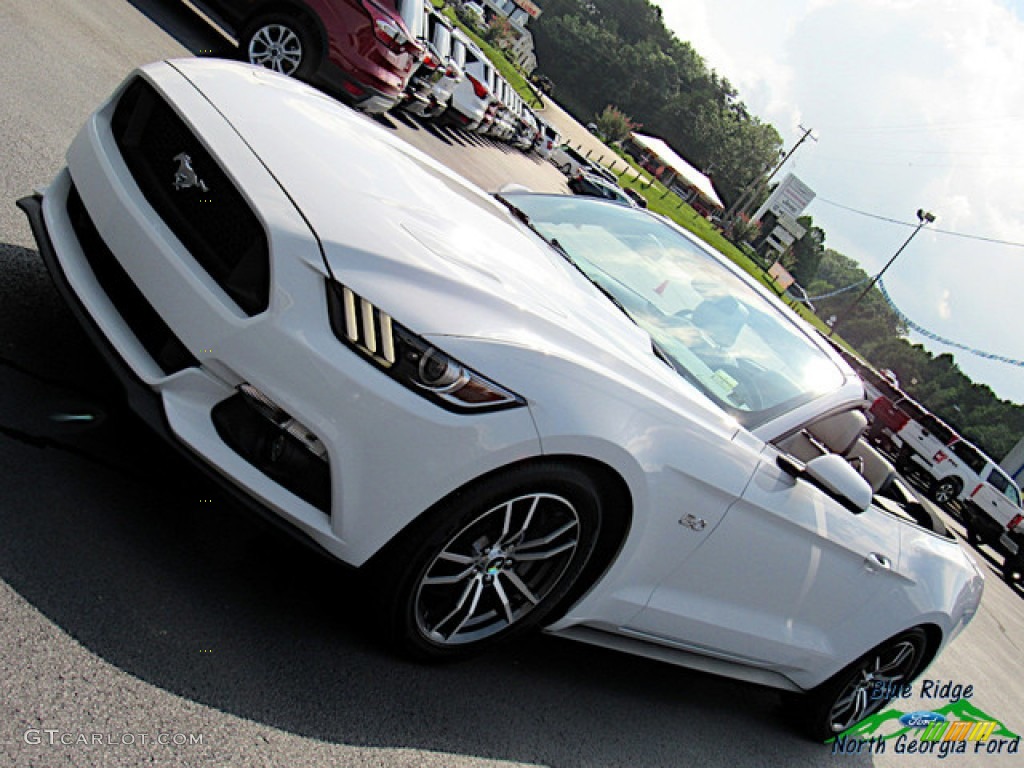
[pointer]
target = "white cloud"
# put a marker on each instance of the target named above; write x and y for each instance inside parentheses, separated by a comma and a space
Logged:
(945, 309)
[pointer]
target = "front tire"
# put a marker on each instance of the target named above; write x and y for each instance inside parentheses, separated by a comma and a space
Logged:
(847, 698)
(490, 563)
(947, 490)
(281, 43)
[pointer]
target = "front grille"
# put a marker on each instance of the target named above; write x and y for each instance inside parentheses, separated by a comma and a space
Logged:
(138, 314)
(192, 194)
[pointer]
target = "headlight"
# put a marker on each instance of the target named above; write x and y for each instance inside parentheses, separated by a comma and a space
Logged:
(409, 359)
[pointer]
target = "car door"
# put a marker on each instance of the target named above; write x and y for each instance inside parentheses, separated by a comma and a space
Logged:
(784, 579)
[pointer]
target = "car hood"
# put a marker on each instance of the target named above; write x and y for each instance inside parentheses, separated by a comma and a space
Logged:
(399, 228)
(422, 243)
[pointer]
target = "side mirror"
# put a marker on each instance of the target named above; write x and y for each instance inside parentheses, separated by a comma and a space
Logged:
(834, 475)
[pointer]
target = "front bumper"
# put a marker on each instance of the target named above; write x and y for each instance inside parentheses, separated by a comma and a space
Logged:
(142, 400)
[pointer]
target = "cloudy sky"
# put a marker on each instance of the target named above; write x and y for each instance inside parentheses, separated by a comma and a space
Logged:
(915, 104)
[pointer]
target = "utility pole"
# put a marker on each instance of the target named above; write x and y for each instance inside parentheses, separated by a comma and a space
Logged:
(753, 189)
(808, 134)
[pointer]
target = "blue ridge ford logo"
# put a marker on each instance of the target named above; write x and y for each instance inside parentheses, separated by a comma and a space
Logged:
(921, 719)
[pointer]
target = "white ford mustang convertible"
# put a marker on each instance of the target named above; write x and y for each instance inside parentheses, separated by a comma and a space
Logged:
(520, 410)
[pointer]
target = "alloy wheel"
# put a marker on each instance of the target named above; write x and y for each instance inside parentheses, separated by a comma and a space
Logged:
(945, 491)
(883, 670)
(276, 47)
(497, 569)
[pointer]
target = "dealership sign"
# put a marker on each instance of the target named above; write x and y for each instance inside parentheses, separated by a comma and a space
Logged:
(532, 9)
(790, 199)
(957, 727)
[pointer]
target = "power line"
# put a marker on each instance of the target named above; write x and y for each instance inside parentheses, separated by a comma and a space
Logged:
(877, 217)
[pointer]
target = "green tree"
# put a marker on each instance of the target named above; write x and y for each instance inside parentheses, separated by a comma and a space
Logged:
(614, 124)
(807, 252)
(634, 20)
(500, 33)
(621, 49)
(871, 320)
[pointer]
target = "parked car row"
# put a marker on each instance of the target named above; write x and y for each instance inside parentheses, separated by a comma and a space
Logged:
(363, 50)
(484, 102)
(956, 472)
(379, 55)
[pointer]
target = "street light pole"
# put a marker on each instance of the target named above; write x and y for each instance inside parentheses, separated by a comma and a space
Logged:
(923, 217)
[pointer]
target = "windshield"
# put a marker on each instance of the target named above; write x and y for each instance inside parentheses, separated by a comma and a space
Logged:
(713, 327)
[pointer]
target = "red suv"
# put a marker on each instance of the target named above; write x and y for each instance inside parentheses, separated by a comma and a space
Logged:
(365, 50)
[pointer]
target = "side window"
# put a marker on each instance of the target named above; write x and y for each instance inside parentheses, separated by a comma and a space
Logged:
(969, 455)
(1002, 484)
(1012, 495)
(937, 428)
(996, 479)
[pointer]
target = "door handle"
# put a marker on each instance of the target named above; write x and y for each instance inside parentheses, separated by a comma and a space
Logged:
(877, 562)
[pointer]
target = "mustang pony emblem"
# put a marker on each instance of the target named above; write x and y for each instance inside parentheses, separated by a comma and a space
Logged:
(186, 176)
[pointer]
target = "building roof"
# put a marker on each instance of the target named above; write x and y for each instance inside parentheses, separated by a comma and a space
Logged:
(691, 175)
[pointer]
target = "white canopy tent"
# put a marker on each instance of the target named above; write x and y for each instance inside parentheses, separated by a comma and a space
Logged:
(683, 170)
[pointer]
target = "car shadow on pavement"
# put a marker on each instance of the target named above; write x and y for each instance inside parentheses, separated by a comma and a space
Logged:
(405, 119)
(473, 138)
(452, 134)
(168, 583)
(127, 549)
(384, 120)
(439, 133)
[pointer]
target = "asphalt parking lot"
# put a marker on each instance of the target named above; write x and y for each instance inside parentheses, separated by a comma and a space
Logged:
(143, 620)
